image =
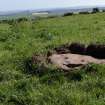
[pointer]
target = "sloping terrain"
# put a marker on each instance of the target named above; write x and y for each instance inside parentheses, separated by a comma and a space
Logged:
(22, 85)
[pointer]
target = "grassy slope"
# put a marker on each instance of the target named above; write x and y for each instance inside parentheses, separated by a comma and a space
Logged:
(21, 40)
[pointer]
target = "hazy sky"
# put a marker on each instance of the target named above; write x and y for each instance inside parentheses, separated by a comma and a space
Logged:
(36, 4)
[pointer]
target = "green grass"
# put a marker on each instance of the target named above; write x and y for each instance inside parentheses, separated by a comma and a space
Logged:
(19, 41)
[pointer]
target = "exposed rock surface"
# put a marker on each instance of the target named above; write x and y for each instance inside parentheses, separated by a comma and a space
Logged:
(70, 56)
(67, 61)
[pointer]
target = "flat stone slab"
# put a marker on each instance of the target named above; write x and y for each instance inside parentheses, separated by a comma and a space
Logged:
(68, 61)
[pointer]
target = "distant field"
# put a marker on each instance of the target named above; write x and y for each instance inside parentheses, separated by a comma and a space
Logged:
(14, 17)
(19, 41)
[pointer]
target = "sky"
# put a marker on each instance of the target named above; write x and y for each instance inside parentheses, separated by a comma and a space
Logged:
(7, 5)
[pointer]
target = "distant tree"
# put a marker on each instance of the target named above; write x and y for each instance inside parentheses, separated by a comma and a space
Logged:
(21, 19)
(52, 16)
(95, 10)
(103, 10)
(86, 12)
(4, 21)
(9, 21)
(68, 14)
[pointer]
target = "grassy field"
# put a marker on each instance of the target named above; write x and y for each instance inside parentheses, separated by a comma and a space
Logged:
(20, 41)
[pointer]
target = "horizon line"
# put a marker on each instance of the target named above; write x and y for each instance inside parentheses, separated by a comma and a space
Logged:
(74, 7)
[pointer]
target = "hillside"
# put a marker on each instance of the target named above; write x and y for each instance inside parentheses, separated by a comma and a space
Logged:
(50, 12)
(19, 41)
